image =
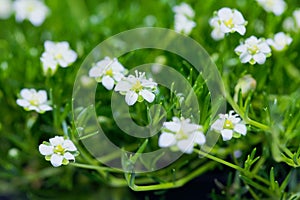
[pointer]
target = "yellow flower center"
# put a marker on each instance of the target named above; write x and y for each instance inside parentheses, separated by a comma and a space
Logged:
(34, 102)
(229, 23)
(137, 86)
(181, 135)
(58, 56)
(109, 72)
(253, 49)
(59, 150)
(228, 124)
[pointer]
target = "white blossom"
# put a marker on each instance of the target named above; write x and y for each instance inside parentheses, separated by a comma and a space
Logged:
(280, 41)
(184, 15)
(137, 88)
(108, 71)
(229, 125)
(34, 100)
(183, 25)
(275, 6)
(227, 20)
(5, 9)
(184, 9)
(217, 33)
(57, 54)
(253, 50)
(296, 15)
(59, 151)
(245, 84)
(33, 10)
(181, 134)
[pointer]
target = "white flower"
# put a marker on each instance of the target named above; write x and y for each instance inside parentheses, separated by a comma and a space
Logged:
(181, 134)
(296, 15)
(246, 84)
(275, 6)
(183, 25)
(227, 20)
(217, 33)
(229, 125)
(184, 9)
(5, 9)
(57, 53)
(184, 15)
(253, 50)
(108, 71)
(34, 100)
(58, 151)
(136, 88)
(289, 24)
(280, 41)
(33, 10)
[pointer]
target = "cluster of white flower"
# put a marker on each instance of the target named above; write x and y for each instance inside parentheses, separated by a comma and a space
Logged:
(181, 134)
(33, 10)
(253, 50)
(227, 20)
(57, 54)
(184, 15)
(59, 151)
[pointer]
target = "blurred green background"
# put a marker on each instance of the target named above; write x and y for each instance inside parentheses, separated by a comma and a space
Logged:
(23, 172)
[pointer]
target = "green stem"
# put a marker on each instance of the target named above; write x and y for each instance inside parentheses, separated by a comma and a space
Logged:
(177, 183)
(86, 166)
(236, 167)
(246, 118)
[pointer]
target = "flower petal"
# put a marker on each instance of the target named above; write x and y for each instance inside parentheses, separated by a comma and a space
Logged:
(172, 126)
(69, 145)
(147, 95)
(186, 146)
(108, 82)
(69, 156)
(226, 134)
(45, 149)
(166, 139)
(199, 138)
(240, 128)
(218, 125)
(131, 97)
(56, 160)
(56, 140)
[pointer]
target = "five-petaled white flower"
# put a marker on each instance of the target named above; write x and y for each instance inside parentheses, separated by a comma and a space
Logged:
(58, 151)
(34, 100)
(108, 71)
(280, 41)
(275, 6)
(184, 15)
(227, 20)
(229, 125)
(181, 134)
(137, 88)
(253, 50)
(33, 10)
(57, 53)
(5, 9)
